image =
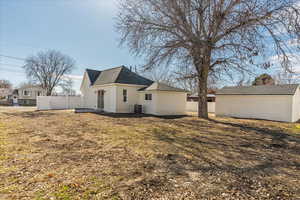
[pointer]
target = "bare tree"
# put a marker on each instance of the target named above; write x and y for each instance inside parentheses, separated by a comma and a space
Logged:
(159, 75)
(285, 77)
(67, 86)
(47, 69)
(189, 84)
(5, 84)
(185, 80)
(214, 36)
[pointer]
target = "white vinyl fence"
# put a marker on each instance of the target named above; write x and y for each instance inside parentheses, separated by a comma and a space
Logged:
(192, 106)
(58, 102)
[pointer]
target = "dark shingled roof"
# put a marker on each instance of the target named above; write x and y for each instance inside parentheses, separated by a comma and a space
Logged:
(93, 75)
(161, 87)
(259, 90)
(117, 75)
(128, 77)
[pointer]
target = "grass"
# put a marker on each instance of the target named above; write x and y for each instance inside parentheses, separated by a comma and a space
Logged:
(61, 155)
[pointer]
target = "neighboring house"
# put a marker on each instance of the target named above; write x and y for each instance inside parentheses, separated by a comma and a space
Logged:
(195, 97)
(4, 93)
(271, 102)
(26, 95)
(118, 90)
(211, 97)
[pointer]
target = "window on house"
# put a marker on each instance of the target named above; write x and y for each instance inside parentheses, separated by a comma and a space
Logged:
(124, 95)
(39, 93)
(148, 97)
(26, 93)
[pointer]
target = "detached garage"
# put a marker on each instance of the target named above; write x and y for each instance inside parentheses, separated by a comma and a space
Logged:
(270, 102)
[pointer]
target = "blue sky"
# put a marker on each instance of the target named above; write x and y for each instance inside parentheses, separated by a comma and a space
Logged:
(82, 29)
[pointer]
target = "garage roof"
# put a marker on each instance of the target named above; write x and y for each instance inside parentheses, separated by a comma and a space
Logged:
(288, 89)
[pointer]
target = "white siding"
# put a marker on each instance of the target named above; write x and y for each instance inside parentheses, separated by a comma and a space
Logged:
(110, 96)
(171, 103)
(149, 106)
(270, 107)
(296, 106)
(89, 95)
(110, 93)
(132, 98)
(164, 103)
(32, 92)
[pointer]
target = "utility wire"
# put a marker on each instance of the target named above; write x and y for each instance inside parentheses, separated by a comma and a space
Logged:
(12, 57)
(12, 65)
(10, 70)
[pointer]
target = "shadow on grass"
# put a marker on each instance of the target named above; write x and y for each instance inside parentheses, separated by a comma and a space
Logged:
(132, 115)
(261, 151)
(275, 134)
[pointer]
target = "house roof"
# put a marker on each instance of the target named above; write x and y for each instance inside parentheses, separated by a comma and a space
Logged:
(30, 86)
(117, 75)
(93, 75)
(260, 90)
(156, 86)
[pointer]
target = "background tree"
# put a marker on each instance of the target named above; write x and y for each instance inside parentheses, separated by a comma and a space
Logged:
(285, 77)
(215, 37)
(67, 86)
(47, 69)
(5, 84)
(264, 79)
(159, 75)
(5, 88)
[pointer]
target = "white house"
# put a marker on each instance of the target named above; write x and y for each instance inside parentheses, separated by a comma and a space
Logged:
(118, 90)
(271, 102)
(27, 95)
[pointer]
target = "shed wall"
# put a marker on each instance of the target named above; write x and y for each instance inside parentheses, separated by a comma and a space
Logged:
(149, 106)
(171, 103)
(270, 107)
(296, 106)
(132, 98)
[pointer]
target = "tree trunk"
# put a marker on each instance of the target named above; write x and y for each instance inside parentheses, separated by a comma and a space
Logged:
(202, 58)
(48, 92)
(202, 94)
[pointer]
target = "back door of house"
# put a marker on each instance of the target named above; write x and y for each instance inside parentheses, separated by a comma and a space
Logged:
(100, 103)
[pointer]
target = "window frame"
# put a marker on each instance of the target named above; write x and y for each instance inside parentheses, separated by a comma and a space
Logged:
(26, 91)
(148, 96)
(125, 97)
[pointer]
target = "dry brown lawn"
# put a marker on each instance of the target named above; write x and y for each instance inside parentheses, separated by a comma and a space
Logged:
(62, 155)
